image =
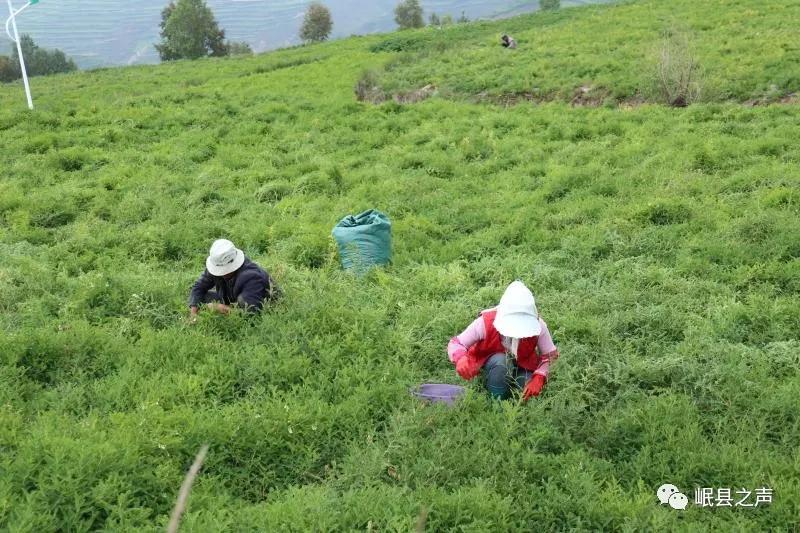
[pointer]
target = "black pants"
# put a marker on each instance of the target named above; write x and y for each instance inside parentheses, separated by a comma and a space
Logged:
(273, 294)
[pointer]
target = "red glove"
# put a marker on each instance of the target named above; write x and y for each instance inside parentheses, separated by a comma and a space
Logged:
(533, 387)
(467, 367)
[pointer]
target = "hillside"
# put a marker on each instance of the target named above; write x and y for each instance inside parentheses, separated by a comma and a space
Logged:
(119, 32)
(660, 242)
(747, 51)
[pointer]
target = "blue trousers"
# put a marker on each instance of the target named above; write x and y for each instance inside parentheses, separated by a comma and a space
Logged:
(501, 373)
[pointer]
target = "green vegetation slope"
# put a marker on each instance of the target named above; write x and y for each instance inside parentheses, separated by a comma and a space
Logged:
(746, 50)
(661, 244)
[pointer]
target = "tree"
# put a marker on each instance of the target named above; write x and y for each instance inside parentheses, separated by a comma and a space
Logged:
(239, 49)
(408, 14)
(549, 5)
(433, 20)
(463, 19)
(38, 61)
(189, 31)
(8, 72)
(447, 20)
(317, 23)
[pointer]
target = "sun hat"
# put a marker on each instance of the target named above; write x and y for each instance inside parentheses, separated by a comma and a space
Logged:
(517, 316)
(224, 258)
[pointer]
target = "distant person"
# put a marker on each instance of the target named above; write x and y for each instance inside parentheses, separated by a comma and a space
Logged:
(510, 342)
(236, 282)
(508, 42)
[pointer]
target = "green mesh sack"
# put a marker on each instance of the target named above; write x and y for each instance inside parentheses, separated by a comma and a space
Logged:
(364, 240)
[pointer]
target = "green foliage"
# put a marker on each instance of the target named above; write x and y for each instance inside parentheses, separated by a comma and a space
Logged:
(38, 61)
(660, 242)
(9, 70)
(595, 55)
(189, 31)
(317, 23)
(427, 43)
(368, 88)
(399, 43)
(549, 5)
(408, 14)
(238, 48)
(434, 20)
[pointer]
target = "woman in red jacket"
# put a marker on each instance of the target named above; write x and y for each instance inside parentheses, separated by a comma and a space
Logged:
(510, 342)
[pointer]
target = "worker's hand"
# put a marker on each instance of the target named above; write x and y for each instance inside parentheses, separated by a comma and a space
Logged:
(192, 315)
(533, 387)
(467, 367)
(220, 308)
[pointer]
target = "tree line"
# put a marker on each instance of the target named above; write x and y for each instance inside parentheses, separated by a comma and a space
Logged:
(190, 31)
(38, 61)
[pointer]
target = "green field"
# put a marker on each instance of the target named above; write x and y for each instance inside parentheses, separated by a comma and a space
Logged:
(747, 51)
(661, 243)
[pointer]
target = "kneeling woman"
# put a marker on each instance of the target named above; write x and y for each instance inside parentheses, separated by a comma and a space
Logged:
(511, 343)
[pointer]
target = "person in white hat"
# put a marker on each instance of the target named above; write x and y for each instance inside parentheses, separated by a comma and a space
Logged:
(510, 342)
(235, 280)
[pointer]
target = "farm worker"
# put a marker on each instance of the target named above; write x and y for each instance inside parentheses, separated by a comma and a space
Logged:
(508, 42)
(236, 280)
(510, 342)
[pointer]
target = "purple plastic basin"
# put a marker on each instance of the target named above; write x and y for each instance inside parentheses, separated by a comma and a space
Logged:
(438, 392)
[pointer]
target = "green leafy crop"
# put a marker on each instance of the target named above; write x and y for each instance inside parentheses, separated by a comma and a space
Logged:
(661, 244)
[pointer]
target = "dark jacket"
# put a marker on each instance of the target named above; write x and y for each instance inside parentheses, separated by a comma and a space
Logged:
(249, 288)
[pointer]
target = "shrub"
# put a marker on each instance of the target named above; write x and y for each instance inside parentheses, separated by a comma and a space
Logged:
(9, 71)
(70, 159)
(239, 49)
(675, 77)
(368, 88)
(665, 213)
(549, 5)
(317, 23)
(399, 43)
(310, 250)
(273, 191)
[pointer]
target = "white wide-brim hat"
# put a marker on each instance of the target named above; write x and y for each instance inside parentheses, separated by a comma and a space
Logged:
(224, 258)
(517, 316)
(517, 325)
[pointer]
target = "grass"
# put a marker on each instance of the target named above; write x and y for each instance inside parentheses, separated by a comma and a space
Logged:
(660, 243)
(746, 49)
